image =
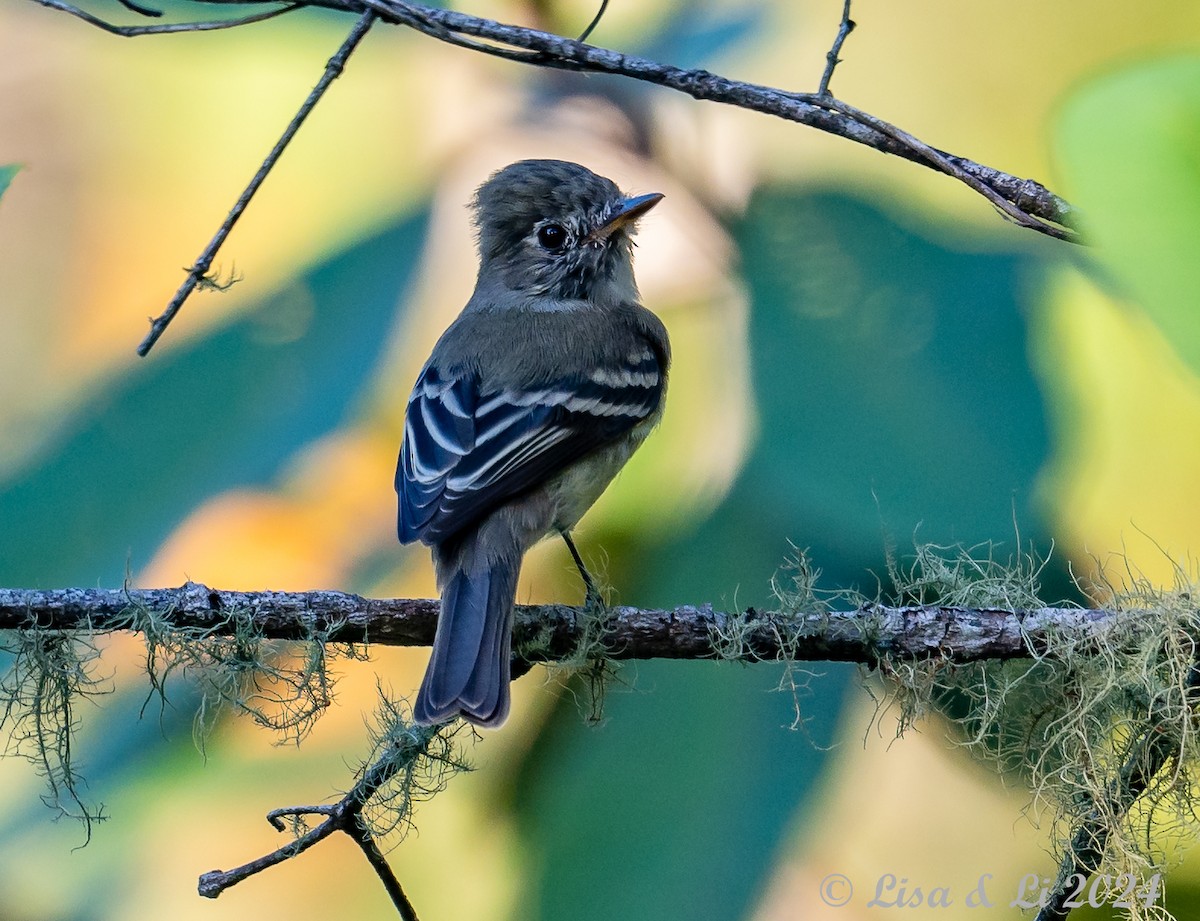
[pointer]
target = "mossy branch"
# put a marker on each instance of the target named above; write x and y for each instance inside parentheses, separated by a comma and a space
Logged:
(867, 634)
(1096, 706)
(409, 763)
(1148, 756)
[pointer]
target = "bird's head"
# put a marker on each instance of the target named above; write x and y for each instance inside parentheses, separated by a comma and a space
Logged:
(556, 229)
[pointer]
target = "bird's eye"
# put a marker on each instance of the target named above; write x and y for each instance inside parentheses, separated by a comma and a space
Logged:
(552, 236)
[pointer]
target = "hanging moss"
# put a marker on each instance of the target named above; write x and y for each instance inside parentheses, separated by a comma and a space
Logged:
(49, 673)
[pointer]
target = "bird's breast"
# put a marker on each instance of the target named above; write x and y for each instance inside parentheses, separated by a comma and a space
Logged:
(577, 488)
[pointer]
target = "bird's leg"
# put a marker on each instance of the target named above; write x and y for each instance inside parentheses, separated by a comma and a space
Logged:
(594, 598)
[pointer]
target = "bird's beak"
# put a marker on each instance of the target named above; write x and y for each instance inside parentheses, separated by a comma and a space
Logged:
(631, 209)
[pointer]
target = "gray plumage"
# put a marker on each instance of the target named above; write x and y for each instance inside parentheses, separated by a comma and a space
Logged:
(530, 403)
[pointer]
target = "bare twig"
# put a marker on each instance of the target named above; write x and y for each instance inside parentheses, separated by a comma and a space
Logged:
(139, 9)
(810, 109)
(866, 635)
(946, 164)
(165, 28)
(344, 816)
(831, 59)
(583, 36)
(383, 870)
(1026, 202)
(200, 269)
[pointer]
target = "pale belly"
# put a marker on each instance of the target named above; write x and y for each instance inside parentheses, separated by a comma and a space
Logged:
(578, 488)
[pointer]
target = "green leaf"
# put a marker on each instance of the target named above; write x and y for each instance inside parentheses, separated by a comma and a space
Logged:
(1128, 155)
(6, 176)
(227, 411)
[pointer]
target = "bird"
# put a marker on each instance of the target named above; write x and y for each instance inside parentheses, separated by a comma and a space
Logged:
(531, 401)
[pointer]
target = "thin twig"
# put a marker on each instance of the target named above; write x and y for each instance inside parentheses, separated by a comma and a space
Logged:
(812, 109)
(213, 883)
(366, 841)
(202, 265)
(165, 28)
(139, 9)
(831, 59)
(345, 816)
(940, 161)
(583, 36)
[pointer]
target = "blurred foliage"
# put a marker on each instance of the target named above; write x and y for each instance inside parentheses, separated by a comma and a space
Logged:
(869, 339)
(6, 176)
(1116, 341)
(1139, 188)
(892, 380)
(893, 359)
(698, 31)
(226, 411)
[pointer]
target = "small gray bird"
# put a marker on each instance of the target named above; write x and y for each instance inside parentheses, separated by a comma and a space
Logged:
(532, 400)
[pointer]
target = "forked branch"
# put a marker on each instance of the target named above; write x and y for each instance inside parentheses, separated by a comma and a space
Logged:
(346, 815)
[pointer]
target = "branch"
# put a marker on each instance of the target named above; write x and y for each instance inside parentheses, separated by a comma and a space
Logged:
(344, 816)
(1024, 201)
(1034, 202)
(200, 268)
(866, 635)
(875, 635)
(831, 58)
(163, 28)
(1149, 754)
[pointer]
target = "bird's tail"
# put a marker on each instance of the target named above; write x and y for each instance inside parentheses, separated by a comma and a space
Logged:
(469, 670)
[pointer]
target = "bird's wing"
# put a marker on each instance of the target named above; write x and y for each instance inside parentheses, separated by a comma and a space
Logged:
(467, 450)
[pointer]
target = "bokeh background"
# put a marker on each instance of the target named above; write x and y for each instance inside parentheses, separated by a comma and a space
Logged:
(864, 352)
